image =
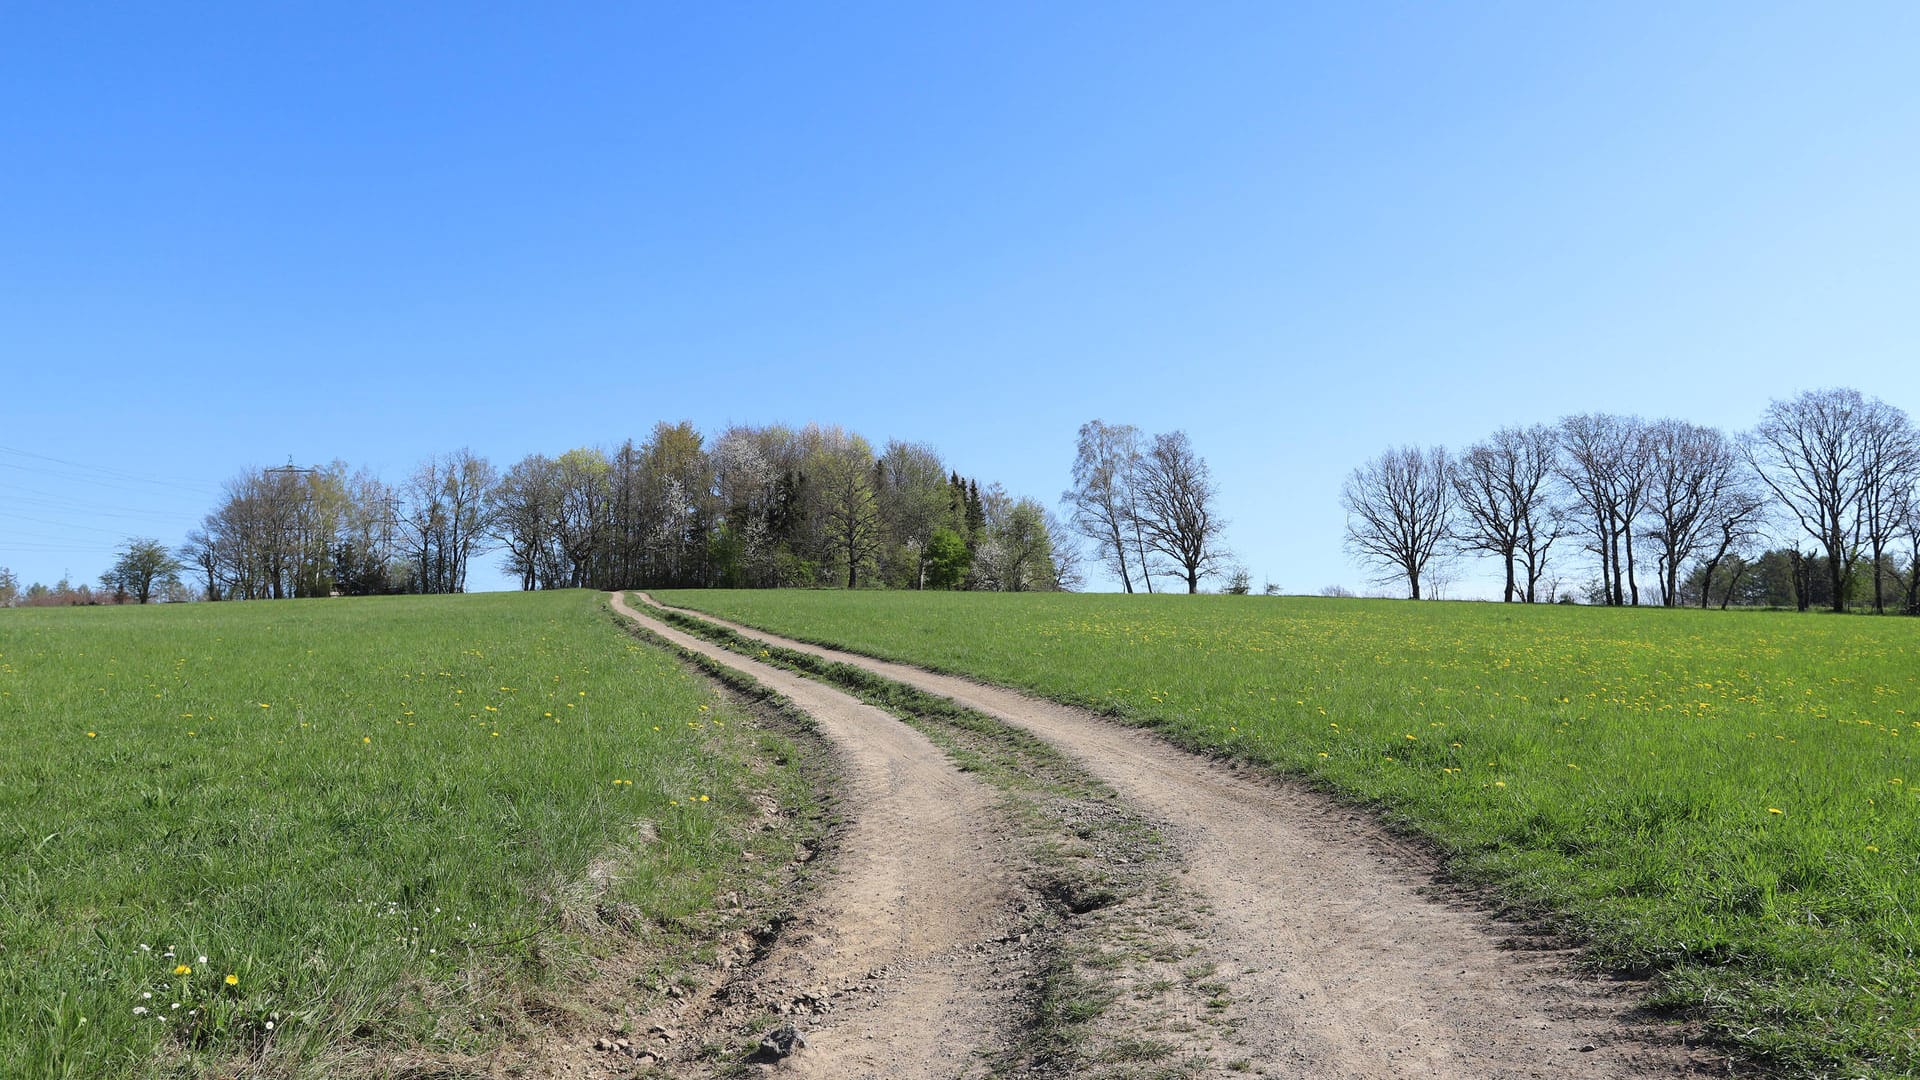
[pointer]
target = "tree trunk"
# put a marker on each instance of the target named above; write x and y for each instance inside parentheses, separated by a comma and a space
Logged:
(1833, 573)
(1146, 576)
(1879, 599)
(1606, 566)
(1507, 597)
(1732, 584)
(1413, 584)
(1633, 585)
(1120, 553)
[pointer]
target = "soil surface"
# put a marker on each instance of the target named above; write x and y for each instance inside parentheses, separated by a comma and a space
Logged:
(907, 962)
(1327, 936)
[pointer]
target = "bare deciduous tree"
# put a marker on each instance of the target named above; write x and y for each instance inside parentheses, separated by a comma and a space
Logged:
(1737, 518)
(1399, 511)
(1504, 492)
(1174, 497)
(1891, 466)
(1692, 472)
(445, 520)
(1812, 453)
(524, 514)
(1606, 465)
(1066, 556)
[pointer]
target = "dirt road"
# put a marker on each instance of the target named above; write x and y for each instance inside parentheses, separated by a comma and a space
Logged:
(1324, 936)
(902, 966)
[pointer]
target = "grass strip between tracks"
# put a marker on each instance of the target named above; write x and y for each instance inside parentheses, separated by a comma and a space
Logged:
(1115, 988)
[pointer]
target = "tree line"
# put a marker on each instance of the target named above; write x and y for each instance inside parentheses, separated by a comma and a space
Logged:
(1817, 504)
(758, 506)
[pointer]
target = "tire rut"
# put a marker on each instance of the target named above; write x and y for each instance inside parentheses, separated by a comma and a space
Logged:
(1338, 961)
(906, 963)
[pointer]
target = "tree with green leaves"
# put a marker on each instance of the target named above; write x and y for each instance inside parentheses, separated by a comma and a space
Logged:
(947, 559)
(143, 565)
(849, 509)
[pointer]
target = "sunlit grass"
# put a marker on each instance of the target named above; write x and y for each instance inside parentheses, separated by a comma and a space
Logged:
(1728, 799)
(277, 831)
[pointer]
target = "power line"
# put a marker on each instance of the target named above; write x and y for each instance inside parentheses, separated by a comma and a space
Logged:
(104, 470)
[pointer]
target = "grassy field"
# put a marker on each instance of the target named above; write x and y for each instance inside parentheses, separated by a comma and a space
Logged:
(1726, 799)
(302, 836)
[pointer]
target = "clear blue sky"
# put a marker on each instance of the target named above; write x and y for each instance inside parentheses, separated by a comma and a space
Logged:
(234, 235)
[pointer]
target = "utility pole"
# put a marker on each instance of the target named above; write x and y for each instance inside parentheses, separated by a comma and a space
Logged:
(292, 523)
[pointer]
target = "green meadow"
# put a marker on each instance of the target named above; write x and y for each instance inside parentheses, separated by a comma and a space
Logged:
(301, 837)
(1726, 801)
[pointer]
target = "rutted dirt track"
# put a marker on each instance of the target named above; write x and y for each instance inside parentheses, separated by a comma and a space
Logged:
(1340, 964)
(904, 951)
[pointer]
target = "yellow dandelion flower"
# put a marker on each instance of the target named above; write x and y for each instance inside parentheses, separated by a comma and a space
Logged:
(182, 969)
(93, 734)
(1775, 810)
(233, 980)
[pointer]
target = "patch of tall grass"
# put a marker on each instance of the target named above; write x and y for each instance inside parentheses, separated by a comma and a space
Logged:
(278, 834)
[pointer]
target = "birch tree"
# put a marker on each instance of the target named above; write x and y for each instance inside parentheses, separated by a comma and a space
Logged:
(1106, 460)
